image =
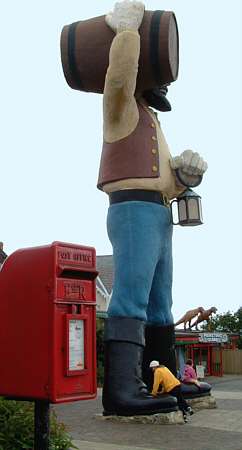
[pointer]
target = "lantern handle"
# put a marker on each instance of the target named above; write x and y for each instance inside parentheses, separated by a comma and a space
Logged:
(173, 201)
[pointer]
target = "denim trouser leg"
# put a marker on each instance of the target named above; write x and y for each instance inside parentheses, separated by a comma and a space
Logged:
(160, 299)
(141, 233)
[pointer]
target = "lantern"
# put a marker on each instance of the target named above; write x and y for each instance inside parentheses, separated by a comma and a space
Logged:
(189, 209)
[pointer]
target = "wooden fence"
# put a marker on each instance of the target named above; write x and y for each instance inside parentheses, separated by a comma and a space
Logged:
(232, 362)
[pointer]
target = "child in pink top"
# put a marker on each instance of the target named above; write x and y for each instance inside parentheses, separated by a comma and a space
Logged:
(189, 374)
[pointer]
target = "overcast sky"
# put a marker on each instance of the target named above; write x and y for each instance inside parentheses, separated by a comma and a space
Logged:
(51, 138)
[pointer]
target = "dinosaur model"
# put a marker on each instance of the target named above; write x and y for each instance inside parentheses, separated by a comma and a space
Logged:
(204, 315)
(189, 316)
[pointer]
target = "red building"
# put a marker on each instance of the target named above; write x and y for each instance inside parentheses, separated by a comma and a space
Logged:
(204, 348)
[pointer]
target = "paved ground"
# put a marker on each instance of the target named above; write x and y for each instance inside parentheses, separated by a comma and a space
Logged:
(217, 429)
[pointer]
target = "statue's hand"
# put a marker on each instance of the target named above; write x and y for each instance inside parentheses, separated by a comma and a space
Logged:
(189, 168)
(127, 15)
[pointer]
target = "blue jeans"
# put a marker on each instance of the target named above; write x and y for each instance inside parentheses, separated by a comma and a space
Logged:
(141, 236)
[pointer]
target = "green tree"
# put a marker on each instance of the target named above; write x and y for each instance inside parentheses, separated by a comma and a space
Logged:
(223, 322)
(239, 318)
(239, 325)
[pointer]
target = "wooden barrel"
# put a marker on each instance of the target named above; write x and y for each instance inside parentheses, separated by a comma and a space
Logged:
(85, 49)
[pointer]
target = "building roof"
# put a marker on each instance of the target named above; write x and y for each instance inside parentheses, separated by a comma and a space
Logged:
(182, 332)
(105, 269)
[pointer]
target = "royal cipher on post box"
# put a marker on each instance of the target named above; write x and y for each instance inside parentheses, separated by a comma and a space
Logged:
(48, 323)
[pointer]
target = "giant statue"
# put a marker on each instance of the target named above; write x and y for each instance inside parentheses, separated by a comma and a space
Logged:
(140, 177)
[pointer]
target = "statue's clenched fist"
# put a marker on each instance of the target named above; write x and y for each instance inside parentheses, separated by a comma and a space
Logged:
(126, 15)
(189, 167)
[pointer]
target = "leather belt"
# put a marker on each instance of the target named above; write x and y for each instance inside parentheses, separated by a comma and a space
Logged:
(129, 195)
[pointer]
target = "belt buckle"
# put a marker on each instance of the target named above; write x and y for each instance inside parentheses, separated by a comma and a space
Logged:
(165, 200)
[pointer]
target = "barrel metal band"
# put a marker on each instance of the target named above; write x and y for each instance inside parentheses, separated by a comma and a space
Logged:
(154, 46)
(71, 56)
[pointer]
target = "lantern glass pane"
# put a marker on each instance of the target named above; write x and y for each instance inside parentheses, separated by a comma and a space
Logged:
(200, 209)
(193, 209)
(182, 210)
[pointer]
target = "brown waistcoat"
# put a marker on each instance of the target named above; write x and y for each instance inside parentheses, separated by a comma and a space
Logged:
(135, 156)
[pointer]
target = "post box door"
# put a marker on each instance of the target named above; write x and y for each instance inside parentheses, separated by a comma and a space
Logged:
(75, 356)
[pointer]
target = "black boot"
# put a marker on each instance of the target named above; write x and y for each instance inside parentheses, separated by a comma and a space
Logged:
(160, 345)
(124, 392)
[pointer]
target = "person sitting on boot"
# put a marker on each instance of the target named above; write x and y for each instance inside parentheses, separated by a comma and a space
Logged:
(189, 374)
(166, 382)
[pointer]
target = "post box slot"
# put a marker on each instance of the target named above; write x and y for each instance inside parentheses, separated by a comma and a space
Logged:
(77, 274)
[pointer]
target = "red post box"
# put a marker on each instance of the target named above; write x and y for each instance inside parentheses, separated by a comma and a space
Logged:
(48, 323)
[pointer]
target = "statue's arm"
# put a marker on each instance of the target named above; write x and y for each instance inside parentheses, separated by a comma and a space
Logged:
(119, 104)
(120, 82)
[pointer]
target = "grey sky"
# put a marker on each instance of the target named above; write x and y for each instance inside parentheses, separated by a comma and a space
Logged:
(51, 140)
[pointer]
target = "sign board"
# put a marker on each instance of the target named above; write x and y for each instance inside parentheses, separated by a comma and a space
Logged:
(200, 371)
(213, 337)
(76, 345)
